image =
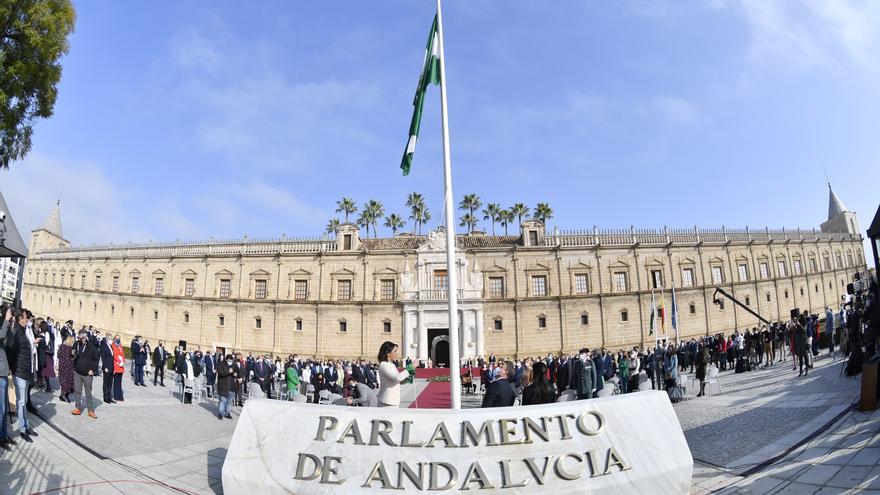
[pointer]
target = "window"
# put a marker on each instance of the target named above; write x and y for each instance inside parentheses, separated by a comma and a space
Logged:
(387, 293)
(135, 285)
(692, 308)
(656, 279)
(62, 280)
(620, 284)
(687, 277)
(260, 289)
(115, 286)
(539, 285)
(849, 262)
(827, 262)
(97, 282)
(542, 322)
(441, 280)
(780, 266)
(748, 301)
(112, 309)
(743, 270)
(155, 314)
(300, 290)
(82, 281)
(343, 290)
(581, 283)
(386, 326)
(131, 311)
(813, 267)
(585, 319)
(299, 325)
(225, 287)
(624, 315)
(768, 297)
(533, 238)
(717, 275)
(343, 326)
(258, 323)
(160, 286)
(797, 267)
(786, 293)
(346, 242)
(95, 307)
(496, 287)
(765, 270)
(221, 320)
(817, 288)
(837, 259)
(189, 287)
(802, 291)
(498, 325)
(53, 278)
(185, 317)
(71, 280)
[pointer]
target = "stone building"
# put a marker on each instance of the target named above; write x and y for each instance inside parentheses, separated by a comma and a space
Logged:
(535, 293)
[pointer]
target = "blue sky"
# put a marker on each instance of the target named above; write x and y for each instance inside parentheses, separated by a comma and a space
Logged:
(189, 120)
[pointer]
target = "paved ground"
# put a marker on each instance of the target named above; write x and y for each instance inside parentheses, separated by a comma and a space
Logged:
(152, 443)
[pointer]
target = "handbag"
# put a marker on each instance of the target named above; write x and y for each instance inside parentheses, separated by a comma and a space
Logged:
(676, 393)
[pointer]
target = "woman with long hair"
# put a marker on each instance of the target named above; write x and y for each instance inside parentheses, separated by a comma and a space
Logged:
(389, 378)
(65, 368)
(540, 390)
(118, 368)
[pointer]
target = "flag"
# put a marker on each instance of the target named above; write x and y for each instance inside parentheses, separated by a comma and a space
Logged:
(651, 320)
(430, 75)
(674, 311)
(662, 313)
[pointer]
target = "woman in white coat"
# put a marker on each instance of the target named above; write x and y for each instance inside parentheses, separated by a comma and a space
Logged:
(389, 378)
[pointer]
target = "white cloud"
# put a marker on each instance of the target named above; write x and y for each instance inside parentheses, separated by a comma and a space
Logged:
(675, 109)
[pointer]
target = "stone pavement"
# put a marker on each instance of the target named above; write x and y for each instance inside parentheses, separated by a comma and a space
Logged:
(152, 443)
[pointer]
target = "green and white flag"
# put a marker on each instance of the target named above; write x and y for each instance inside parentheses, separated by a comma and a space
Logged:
(430, 75)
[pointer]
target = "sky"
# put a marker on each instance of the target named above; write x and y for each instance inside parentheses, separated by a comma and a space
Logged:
(197, 120)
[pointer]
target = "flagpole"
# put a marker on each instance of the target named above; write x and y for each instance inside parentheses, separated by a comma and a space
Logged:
(675, 317)
(451, 268)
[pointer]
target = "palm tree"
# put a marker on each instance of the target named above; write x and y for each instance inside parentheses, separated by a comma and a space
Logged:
(394, 222)
(363, 220)
(413, 201)
(506, 217)
(519, 210)
(420, 215)
(543, 212)
(346, 206)
(374, 211)
(470, 202)
(469, 221)
(492, 212)
(332, 226)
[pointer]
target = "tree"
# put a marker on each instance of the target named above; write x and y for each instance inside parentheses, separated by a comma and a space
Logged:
(421, 215)
(471, 203)
(543, 212)
(519, 210)
(363, 220)
(32, 41)
(394, 222)
(469, 221)
(506, 217)
(492, 212)
(346, 206)
(414, 201)
(374, 211)
(332, 226)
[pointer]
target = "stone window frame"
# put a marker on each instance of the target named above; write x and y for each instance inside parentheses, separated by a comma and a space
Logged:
(94, 307)
(624, 315)
(813, 264)
(343, 274)
(615, 269)
(297, 324)
(717, 263)
(83, 274)
(838, 260)
(768, 297)
(99, 276)
(386, 326)
(112, 309)
(383, 296)
(219, 277)
(379, 277)
(797, 265)
(741, 264)
(747, 299)
(689, 266)
(653, 266)
(826, 261)
(343, 326)
(580, 270)
(186, 317)
(155, 314)
(494, 272)
(850, 260)
(542, 318)
(490, 294)
(63, 278)
(221, 320)
(299, 275)
(258, 322)
(538, 281)
(786, 293)
(585, 318)
(158, 282)
(259, 275)
(188, 274)
(131, 311)
(54, 274)
(692, 308)
(781, 267)
(802, 291)
(538, 270)
(114, 280)
(349, 284)
(497, 324)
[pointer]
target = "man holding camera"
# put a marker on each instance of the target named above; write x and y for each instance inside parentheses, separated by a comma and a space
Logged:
(85, 362)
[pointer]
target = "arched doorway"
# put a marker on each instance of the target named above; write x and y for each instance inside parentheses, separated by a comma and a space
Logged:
(440, 350)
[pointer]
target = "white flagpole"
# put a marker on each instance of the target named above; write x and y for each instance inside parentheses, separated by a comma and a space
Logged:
(451, 268)
(675, 314)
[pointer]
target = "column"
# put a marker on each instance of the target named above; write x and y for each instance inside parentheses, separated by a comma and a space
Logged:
(423, 338)
(464, 333)
(480, 351)
(407, 335)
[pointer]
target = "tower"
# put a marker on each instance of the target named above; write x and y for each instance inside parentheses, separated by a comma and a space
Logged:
(48, 236)
(840, 220)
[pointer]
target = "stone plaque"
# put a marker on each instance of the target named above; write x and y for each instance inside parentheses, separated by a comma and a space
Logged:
(625, 444)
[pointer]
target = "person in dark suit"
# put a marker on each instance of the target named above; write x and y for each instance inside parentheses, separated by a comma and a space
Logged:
(359, 372)
(500, 393)
(107, 369)
(160, 357)
(262, 372)
(210, 373)
(599, 366)
(139, 356)
(228, 372)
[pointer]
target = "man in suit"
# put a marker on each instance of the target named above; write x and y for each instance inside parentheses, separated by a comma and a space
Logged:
(599, 366)
(210, 374)
(160, 357)
(362, 395)
(107, 370)
(228, 372)
(262, 372)
(358, 371)
(500, 393)
(139, 356)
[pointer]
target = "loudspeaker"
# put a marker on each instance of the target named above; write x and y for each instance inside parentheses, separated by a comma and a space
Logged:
(182, 344)
(794, 313)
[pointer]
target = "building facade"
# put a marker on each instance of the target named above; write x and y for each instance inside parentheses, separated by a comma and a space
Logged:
(9, 273)
(536, 293)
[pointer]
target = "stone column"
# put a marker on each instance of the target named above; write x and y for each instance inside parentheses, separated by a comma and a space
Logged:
(464, 334)
(480, 351)
(406, 335)
(423, 337)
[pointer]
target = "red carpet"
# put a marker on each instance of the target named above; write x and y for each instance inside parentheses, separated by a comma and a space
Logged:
(435, 396)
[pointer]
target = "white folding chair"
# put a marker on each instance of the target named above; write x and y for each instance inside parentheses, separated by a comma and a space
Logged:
(310, 392)
(713, 379)
(324, 397)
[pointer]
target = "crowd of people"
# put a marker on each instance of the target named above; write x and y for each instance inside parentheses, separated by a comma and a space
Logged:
(39, 350)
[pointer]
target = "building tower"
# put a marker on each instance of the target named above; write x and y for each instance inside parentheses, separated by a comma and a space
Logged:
(48, 236)
(840, 220)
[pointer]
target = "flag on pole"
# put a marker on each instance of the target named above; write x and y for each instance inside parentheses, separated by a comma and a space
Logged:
(652, 325)
(662, 313)
(674, 311)
(430, 75)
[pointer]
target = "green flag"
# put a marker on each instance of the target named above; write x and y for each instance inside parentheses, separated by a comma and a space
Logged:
(430, 75)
